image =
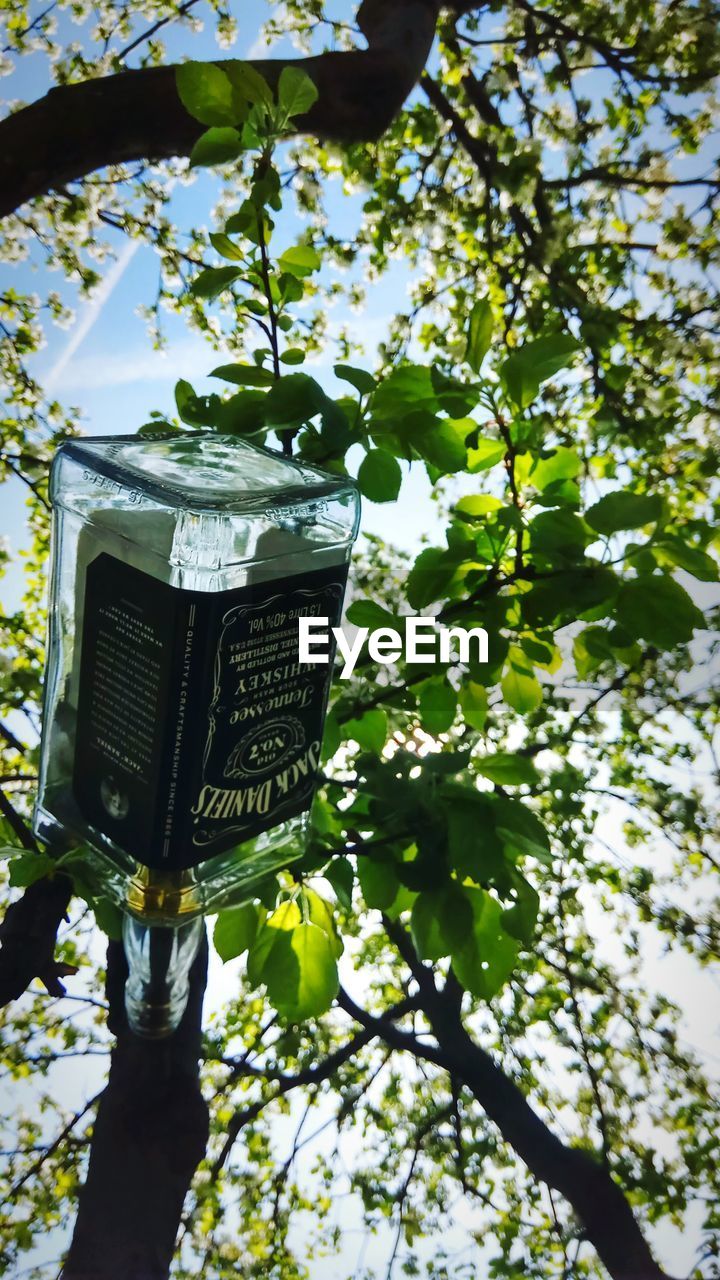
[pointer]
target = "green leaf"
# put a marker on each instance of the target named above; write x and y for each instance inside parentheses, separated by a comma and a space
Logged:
(480, 330)
(226, 247)
(561, 535)
(244, 375)
(358, 378)
(540, 652)
(379, 476)
(524, 372)
(248, 85)
(520, 829)
(300, 973)
(299, 260)
(294, 399)
(520, 920)
(293, 355)
(474, 704)
(474, 849)
(656, 608)
(296, 91)
(341, 876)
(244, 222)
(454, 916)
(378, 882)
(476, 505)
(317, 910)
(454, 397)
(561, 464)
(488, 673)
(569, 595)
(248, 221)
(425, 928)
(334, 426)
(242, 414)
(623, 510)
(405, 390)
(284, 919)
(196, 411)
(437, 704)
(214, 281)
(442, 443)
(235, 930)
(325, 819)
(367, 613)
(430, 577)
(484, 963)
(692, 559)
(109, 918)
(332, 737)
(266, 891)
(29, 867)
(266, 187)
(289, 288)
(590, 649)
(206, 93)
(369, 730)
(520, 688)
(318, 984)
(440, 923)
(508, 769)
(216, 146)
(484, 453)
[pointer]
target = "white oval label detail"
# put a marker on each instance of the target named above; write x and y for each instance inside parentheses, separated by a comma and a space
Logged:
(266, 748)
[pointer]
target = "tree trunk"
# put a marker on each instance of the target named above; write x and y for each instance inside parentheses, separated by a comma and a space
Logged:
(150, 1135)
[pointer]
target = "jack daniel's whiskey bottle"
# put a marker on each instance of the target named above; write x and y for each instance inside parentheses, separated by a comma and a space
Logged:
(181, 734)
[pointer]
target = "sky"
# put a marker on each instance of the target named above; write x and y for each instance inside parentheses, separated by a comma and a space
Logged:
(105, 365)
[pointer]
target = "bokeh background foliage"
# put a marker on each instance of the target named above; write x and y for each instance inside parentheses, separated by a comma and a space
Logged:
(444, 1045)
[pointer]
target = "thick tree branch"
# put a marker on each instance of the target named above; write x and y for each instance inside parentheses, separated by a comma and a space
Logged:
(137, 115)
(28, 934)
(150, 1135)
(584, 1182)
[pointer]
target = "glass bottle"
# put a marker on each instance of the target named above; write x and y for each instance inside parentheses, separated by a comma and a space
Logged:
(181, 735)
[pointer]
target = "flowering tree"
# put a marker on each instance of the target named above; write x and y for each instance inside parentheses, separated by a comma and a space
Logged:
(496, 846)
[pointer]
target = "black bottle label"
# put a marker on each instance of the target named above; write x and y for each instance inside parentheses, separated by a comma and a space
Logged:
(198, 728)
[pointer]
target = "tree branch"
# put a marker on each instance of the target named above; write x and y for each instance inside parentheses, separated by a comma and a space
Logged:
(311, 1075)
(135, 115)
(19, 827)
(28, 935)
(28, 932)
(583, 1181)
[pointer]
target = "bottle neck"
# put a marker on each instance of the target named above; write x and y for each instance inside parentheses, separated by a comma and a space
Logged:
(159, 959)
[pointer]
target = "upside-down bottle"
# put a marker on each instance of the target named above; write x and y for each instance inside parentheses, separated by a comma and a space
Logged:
(181, 733)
